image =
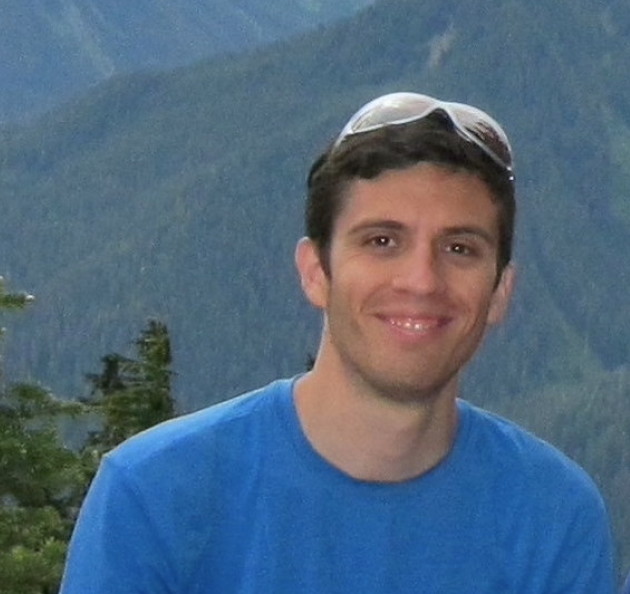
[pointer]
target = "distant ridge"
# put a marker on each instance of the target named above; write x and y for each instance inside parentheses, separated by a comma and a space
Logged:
(54, 49)
(158, 181)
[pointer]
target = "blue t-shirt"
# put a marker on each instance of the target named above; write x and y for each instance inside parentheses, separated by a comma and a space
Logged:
(234, 499)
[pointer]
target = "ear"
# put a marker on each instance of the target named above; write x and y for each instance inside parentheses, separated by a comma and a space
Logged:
(502, 296)
(314, 280)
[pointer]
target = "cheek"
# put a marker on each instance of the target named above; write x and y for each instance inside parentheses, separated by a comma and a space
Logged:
(351, 281)
(475, 302)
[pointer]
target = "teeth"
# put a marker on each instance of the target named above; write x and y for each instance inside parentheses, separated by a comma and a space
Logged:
(413, 326)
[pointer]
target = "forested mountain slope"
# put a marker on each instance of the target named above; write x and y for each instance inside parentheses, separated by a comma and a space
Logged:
(181, 193)
(54, 49)
(179, 196)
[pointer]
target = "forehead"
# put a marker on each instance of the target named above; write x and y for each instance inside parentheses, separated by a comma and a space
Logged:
(425, 195)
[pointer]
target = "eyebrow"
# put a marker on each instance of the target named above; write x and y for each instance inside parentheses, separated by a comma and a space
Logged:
(458, 230)
(473, 230)
(376, 225)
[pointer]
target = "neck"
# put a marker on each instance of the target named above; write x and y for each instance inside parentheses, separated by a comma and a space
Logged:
(372, 437)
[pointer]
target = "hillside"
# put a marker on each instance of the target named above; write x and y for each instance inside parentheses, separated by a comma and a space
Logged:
(179, 195)
(55, 49)
(159, 182)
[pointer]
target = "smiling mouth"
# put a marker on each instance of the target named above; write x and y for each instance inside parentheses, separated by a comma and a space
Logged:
(415, 325)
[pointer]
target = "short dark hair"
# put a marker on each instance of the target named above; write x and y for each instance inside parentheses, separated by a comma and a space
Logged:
(367, 155)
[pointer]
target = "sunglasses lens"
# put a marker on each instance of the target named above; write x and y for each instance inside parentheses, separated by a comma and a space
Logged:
(390, 109)
(401, 108)
(485, 129)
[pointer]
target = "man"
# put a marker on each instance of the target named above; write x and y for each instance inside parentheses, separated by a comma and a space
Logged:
(367, 474)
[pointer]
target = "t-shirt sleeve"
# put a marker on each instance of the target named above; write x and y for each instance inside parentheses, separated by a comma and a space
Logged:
(585, 563)
(115, 548)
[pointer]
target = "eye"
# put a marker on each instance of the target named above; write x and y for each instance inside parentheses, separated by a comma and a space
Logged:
(381, 241)
(461, 248)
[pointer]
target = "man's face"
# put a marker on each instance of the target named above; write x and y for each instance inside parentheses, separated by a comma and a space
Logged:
(412, 281)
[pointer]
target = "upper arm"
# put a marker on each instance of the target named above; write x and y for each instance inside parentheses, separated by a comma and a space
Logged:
(115, 547)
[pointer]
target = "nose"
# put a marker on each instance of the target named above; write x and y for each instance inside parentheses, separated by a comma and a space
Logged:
(418, 271)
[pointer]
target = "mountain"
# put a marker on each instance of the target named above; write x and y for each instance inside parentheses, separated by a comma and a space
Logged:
(55, 49)
(179, 195)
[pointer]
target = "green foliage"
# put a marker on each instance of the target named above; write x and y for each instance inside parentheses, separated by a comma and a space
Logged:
(34, 470)
(12, 301)
(32, 550)
(42, 480)
(134, 394)
(41, 485)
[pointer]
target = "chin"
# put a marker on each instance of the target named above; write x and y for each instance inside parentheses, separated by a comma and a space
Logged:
(414, 389)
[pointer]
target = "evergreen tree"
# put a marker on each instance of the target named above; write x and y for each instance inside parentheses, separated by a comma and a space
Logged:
(41, 482)
(11, 302)
(133, 394)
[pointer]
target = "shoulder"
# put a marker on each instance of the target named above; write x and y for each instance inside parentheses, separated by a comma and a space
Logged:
(549, 511)
(200, 433)
(519, 456)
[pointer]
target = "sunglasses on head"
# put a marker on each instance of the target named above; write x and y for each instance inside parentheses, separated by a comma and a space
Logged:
(470, 123)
